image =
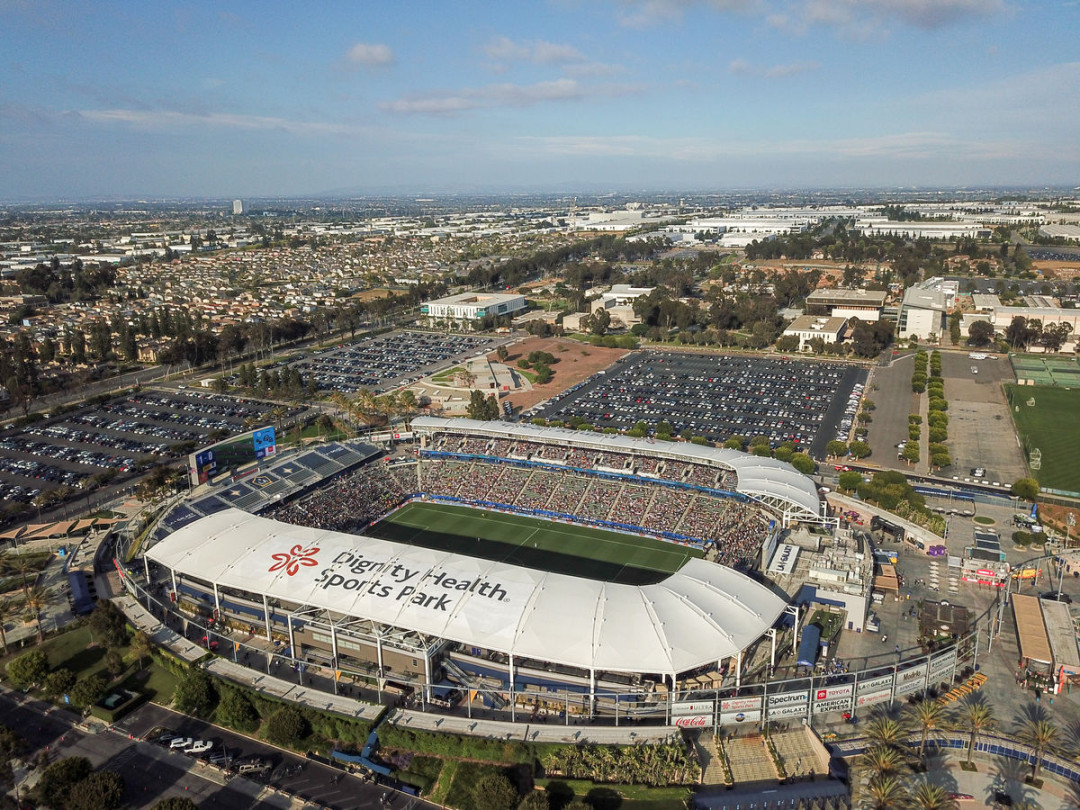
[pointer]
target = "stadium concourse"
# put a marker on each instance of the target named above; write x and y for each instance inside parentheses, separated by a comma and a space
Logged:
(316, 575)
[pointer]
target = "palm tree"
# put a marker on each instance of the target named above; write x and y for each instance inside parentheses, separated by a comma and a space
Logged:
(976, 716)
(886, 793)
(22, 565)
(37, 599)
(928, 716)
(931, 797)
(7, 610)
(1041, 734)
(883, 760)
(886, 731)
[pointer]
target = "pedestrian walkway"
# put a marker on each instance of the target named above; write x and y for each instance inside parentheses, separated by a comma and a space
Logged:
(801, 752)
(532, 732)
(712, 763)
(749, 759)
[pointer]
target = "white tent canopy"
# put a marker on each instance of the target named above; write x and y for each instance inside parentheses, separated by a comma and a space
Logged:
(695, 617)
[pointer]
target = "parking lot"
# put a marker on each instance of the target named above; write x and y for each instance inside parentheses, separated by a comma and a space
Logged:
(389, 361)
(308, 779)
(717, 396)
(112, 439)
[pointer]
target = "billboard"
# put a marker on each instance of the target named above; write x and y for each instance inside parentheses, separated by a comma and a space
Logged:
(695, 707)
(740, 704)
(787, 698)
(263, 442)
(218, 459)
(694, 721)
(870, 698)
(735, 718)
(776, 712)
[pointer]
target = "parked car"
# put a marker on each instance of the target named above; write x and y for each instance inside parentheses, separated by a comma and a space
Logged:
(181, 743)
(200, 747)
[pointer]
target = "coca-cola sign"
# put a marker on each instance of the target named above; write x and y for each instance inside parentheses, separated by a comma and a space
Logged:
(694, 721)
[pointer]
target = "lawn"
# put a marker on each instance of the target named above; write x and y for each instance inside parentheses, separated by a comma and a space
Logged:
(1053, 426)
(534, 543)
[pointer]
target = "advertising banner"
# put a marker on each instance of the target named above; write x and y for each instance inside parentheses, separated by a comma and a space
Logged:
(874, 684)
(831, 692)
(737, 718)
(693, 707)
(943, 663)
(838, 705)
(740, 704)
(870, 698)
(776, 712)
(694, 721)
(787, 698)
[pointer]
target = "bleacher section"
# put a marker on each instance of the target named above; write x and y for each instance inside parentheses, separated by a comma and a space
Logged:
(277, 481)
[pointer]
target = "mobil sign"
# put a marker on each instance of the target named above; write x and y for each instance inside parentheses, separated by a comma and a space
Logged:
(694, 721)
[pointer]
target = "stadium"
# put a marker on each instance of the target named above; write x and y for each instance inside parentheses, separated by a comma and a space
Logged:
(591, 573)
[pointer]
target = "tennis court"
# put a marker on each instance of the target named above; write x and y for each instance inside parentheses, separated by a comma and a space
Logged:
(534, 543)
(1035, 369)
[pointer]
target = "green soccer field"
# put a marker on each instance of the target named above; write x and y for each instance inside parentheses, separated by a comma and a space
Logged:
(1053, 426)
(534, 543)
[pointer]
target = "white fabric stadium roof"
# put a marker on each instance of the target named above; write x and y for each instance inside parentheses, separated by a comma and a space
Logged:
(695, 617)
(761, 478)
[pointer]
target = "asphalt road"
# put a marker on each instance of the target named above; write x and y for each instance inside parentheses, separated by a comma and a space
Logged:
(309, 780)
(149, 774)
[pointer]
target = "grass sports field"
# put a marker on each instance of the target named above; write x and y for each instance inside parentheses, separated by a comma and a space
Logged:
(534, 543)
(1053, 426)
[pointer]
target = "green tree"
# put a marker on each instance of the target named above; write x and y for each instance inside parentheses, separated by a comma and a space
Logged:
(1026, 489)
(883, 760)
(502, 353)
(1043, 735)
(859, 449)
(58, 682)
(141, 645)
(59, 778)
(910, 453)
(114, 661)
(195, 694)
(102, 790)
(235, 710)
(980, 333)
(287, 726)
(88, 690)
(35, 602)
(494, 792)
(28, 669)
(975, 715)
(109, 624)
(735, 443)
(803, 463)
(931, 797)
(537, 800)
(176, 803)
(850, 480)
(928, 717)
(836, 448)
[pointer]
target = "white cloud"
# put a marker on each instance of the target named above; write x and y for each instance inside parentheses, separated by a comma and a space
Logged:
(647, 13)
(369, 54)
(852, 17)
(861, 18)
(744, 68)
(504, 50)
(898, 146)
(502, 95)
(172, 119)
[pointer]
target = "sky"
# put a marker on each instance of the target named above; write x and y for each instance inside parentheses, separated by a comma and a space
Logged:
(254, 99)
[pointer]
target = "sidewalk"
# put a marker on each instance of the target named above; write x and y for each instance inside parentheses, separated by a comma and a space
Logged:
(532, 732)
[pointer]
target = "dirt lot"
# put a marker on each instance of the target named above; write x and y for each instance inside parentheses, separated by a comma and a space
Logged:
(574, 362)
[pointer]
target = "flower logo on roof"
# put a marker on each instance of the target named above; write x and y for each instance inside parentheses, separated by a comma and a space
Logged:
(297, 556)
